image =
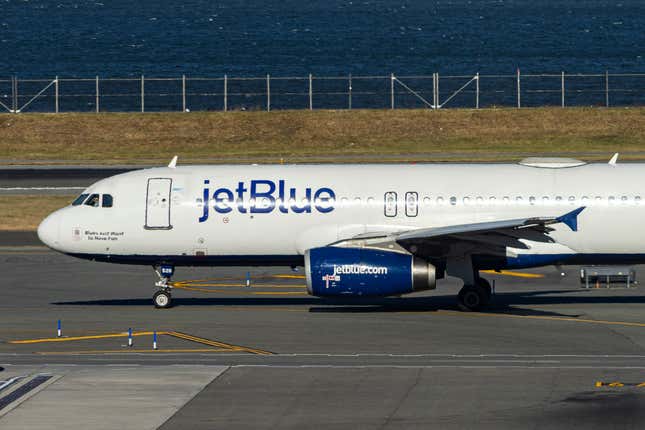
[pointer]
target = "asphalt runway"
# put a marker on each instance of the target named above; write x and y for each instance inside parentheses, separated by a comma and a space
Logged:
(546, 354)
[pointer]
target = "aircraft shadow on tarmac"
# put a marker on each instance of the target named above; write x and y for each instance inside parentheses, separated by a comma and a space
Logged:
(509, 303)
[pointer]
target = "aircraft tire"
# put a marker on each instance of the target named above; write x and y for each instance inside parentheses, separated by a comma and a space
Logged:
(162, 299)
(472, 298)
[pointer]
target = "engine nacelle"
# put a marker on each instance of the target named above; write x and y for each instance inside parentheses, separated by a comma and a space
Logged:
(336, 271)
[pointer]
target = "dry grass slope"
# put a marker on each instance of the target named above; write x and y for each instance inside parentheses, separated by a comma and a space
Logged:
(26, 212)
(494, 134)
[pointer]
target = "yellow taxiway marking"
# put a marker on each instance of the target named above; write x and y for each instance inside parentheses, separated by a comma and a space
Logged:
(541, 317)
(130, 351)
(289, 276)
(74, 338)
(516, 274)
(195, 284)
(280, 293)
(218, 344)
(213, 343)
(618, 384)
(207, 290)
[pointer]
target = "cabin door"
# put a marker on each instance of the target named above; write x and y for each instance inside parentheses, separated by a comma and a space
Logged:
(158, 204)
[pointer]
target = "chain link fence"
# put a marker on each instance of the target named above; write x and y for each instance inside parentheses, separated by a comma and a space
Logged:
(182, 94)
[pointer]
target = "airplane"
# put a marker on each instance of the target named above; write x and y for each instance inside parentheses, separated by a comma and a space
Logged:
(361, 230)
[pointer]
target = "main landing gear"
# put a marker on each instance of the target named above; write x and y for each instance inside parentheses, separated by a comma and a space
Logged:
(162, 299)
(474, 297)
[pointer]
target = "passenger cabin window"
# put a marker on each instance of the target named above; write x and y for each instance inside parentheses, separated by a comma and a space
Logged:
(93, 201)
(390, 204)
(453, 200)
(79, 200)
(108, 201)
(411, 204)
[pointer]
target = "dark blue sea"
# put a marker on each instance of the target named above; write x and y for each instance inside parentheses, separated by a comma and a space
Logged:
(330, 37)
(162, 38)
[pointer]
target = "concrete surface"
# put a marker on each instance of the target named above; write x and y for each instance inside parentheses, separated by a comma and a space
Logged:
(133, 397)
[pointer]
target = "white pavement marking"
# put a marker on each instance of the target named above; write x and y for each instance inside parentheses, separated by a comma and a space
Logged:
(134, 397)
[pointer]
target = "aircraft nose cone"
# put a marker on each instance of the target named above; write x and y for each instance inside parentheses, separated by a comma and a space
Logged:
(48, 230)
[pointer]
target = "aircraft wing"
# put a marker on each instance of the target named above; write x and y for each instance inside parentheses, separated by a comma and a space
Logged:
(486, 237)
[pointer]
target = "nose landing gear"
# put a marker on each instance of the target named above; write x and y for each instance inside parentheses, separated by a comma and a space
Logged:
(162, 299)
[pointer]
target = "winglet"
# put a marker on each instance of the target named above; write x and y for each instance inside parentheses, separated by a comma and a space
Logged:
(173, 162)
(571, 218)
(612, 161)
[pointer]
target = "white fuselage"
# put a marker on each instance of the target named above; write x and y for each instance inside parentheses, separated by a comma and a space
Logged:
(337, 202)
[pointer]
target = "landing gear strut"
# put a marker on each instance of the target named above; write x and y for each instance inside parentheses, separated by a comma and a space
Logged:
(474, 297)
(162, 299)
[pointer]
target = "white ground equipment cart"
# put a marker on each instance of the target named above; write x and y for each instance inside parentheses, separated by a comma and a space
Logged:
(607, 276)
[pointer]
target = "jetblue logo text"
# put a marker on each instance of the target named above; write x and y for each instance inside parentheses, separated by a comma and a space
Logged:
(352, 269)
(262, 196)
(359, 269)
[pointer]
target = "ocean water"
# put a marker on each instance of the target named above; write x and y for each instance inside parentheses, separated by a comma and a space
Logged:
(83, 38)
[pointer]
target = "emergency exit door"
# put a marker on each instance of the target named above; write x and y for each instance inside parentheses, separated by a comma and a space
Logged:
(158, 204)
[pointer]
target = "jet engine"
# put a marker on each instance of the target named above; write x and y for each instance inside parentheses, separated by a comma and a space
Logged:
(336, 271)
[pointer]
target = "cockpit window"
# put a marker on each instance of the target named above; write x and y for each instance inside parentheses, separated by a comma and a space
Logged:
(93, 201)
(107, 200)
(79, 200)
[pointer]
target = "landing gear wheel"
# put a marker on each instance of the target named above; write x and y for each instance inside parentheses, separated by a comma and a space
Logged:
(162, 299)
(472, 298)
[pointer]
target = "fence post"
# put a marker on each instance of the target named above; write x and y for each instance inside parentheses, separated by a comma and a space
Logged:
(562, 89)
(15, 94)
(56, 95)
(350, 91)
(143, 94)
(97, 94)
(392, 91)
(606, 88)
(225, 93)
(519, 90)
(183, 93)
(438, 101)
(268, 93)
(477, 92)
(434, 90)
(311, 93)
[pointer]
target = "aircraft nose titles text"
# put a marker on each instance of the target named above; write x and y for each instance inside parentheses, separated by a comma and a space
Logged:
(262, 196)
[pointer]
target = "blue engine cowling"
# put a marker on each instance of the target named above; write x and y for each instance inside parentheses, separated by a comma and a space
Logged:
(336, 271)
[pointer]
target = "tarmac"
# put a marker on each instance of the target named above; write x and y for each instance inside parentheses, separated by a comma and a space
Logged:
(547, 354)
